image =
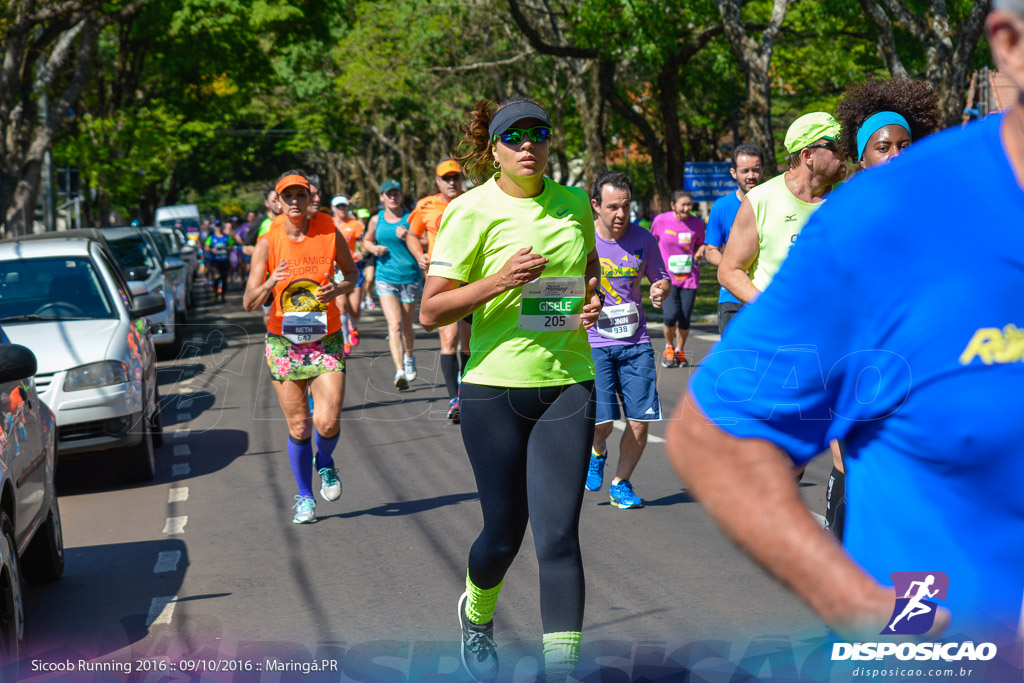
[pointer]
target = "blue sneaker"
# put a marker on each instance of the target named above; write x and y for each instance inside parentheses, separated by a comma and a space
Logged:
(309, 396)
(595, 475)
(305, 510)
(623, 497)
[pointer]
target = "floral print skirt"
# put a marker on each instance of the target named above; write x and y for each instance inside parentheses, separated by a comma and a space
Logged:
(290, 361)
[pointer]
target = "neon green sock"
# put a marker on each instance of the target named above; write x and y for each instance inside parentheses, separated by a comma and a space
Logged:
(480, 602)
(561, 654)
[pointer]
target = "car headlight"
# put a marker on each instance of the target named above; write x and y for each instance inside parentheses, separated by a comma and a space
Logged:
(93, 375)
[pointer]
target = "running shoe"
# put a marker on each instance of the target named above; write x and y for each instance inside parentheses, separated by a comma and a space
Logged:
(681, 359)
(330, 485)
(623, 497)
(309, 397)
(479, 651)
(454, 408)
(401, 383)
(595, 475)
(668, 359)
(410, 368)
(353, 336)
(346, 349)
(305, 510)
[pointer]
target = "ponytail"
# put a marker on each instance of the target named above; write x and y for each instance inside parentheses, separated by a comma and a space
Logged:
(474, 151)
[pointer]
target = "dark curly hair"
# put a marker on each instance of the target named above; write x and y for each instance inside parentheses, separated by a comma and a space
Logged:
(474, 151)
(913, 100)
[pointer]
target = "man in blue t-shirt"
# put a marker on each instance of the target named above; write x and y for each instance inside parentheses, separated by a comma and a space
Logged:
(747, 170)
(918, 370)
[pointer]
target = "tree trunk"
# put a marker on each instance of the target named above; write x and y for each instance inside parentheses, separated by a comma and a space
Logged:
(759, 117)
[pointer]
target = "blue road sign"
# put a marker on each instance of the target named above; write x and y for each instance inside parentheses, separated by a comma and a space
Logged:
(708, 180)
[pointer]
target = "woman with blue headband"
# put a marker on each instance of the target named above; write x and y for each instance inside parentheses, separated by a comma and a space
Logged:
(880, 119)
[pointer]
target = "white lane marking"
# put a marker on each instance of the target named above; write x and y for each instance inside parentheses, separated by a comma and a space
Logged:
(187, 403)
(177, 495)
(182, 417)
(820, 519)
(182, 449)
(175, 525)
(621, 426)
(181, 434)
(167, 561)
(180, 470)
(161, 610)
(707, 337)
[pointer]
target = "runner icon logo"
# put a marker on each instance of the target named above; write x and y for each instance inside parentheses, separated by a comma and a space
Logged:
(914, 613)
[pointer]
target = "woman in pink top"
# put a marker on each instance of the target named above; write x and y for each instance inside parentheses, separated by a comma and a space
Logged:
(680, 237)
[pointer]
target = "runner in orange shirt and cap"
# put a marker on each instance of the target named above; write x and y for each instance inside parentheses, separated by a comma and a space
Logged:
(426, 218)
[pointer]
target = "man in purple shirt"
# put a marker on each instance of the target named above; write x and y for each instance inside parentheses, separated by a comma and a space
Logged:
(621, 348)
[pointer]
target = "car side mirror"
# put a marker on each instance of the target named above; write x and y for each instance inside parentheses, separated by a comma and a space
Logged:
(148, 304)
(137, 288)
(138, 273)
(173, 263)
(16, 363)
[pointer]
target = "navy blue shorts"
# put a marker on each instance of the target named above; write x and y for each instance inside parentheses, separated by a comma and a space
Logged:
(626, 373)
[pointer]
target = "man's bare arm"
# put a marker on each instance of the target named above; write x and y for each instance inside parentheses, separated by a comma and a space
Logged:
(748, 488)
(740, 253)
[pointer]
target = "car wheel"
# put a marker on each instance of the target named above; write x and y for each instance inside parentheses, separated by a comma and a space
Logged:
(12, 606)
(139, 461)
(156, 421)
(43, 561)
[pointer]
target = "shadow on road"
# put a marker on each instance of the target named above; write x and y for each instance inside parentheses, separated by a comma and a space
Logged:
(109, 597)
(407, 507)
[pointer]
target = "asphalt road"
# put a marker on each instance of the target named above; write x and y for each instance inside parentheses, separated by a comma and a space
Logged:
(203, 569)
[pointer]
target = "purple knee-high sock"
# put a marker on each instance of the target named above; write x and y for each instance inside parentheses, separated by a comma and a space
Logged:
(300, 455)
(325, 450)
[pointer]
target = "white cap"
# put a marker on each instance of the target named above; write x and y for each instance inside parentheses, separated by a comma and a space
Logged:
(339, 200)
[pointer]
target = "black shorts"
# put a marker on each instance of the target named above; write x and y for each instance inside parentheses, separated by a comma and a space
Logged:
(727, 310)
(368, 260)
(678, 306)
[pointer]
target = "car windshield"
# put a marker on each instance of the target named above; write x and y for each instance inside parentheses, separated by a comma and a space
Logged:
(59, 288)
(161, 243)
(132, 252)
(185, 223)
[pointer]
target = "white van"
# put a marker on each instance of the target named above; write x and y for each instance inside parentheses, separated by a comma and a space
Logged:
(185, 216)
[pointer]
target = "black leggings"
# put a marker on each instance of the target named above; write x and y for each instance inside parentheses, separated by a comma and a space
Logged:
(219, 281)
(529, 449)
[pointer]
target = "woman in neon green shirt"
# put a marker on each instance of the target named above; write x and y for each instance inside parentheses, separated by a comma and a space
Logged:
(525, 246)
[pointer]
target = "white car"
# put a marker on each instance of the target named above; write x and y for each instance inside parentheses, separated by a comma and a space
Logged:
(142, 263)
(173, 243)
(31, 542)
(63, 296)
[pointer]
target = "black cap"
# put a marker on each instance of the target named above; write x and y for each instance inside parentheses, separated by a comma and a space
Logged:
(517, 111)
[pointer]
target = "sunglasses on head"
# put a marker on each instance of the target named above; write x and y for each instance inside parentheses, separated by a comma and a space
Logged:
(830, 145)
(513, 136)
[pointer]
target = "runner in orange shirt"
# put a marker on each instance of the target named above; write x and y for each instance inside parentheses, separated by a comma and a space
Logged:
(352, 230)
(426, 218)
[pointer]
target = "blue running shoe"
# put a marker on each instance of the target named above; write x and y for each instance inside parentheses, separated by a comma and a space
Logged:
(479, 651)
(623, 497)
(310, 397)
(454, 410)
(305, 510)
(595, 475)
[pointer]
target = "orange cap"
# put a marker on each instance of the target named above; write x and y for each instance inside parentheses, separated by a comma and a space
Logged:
(448, 166)
(290, 181)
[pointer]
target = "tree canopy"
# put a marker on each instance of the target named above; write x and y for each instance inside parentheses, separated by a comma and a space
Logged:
(208, 100)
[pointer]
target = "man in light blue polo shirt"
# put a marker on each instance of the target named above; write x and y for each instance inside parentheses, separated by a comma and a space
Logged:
(747, 170)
